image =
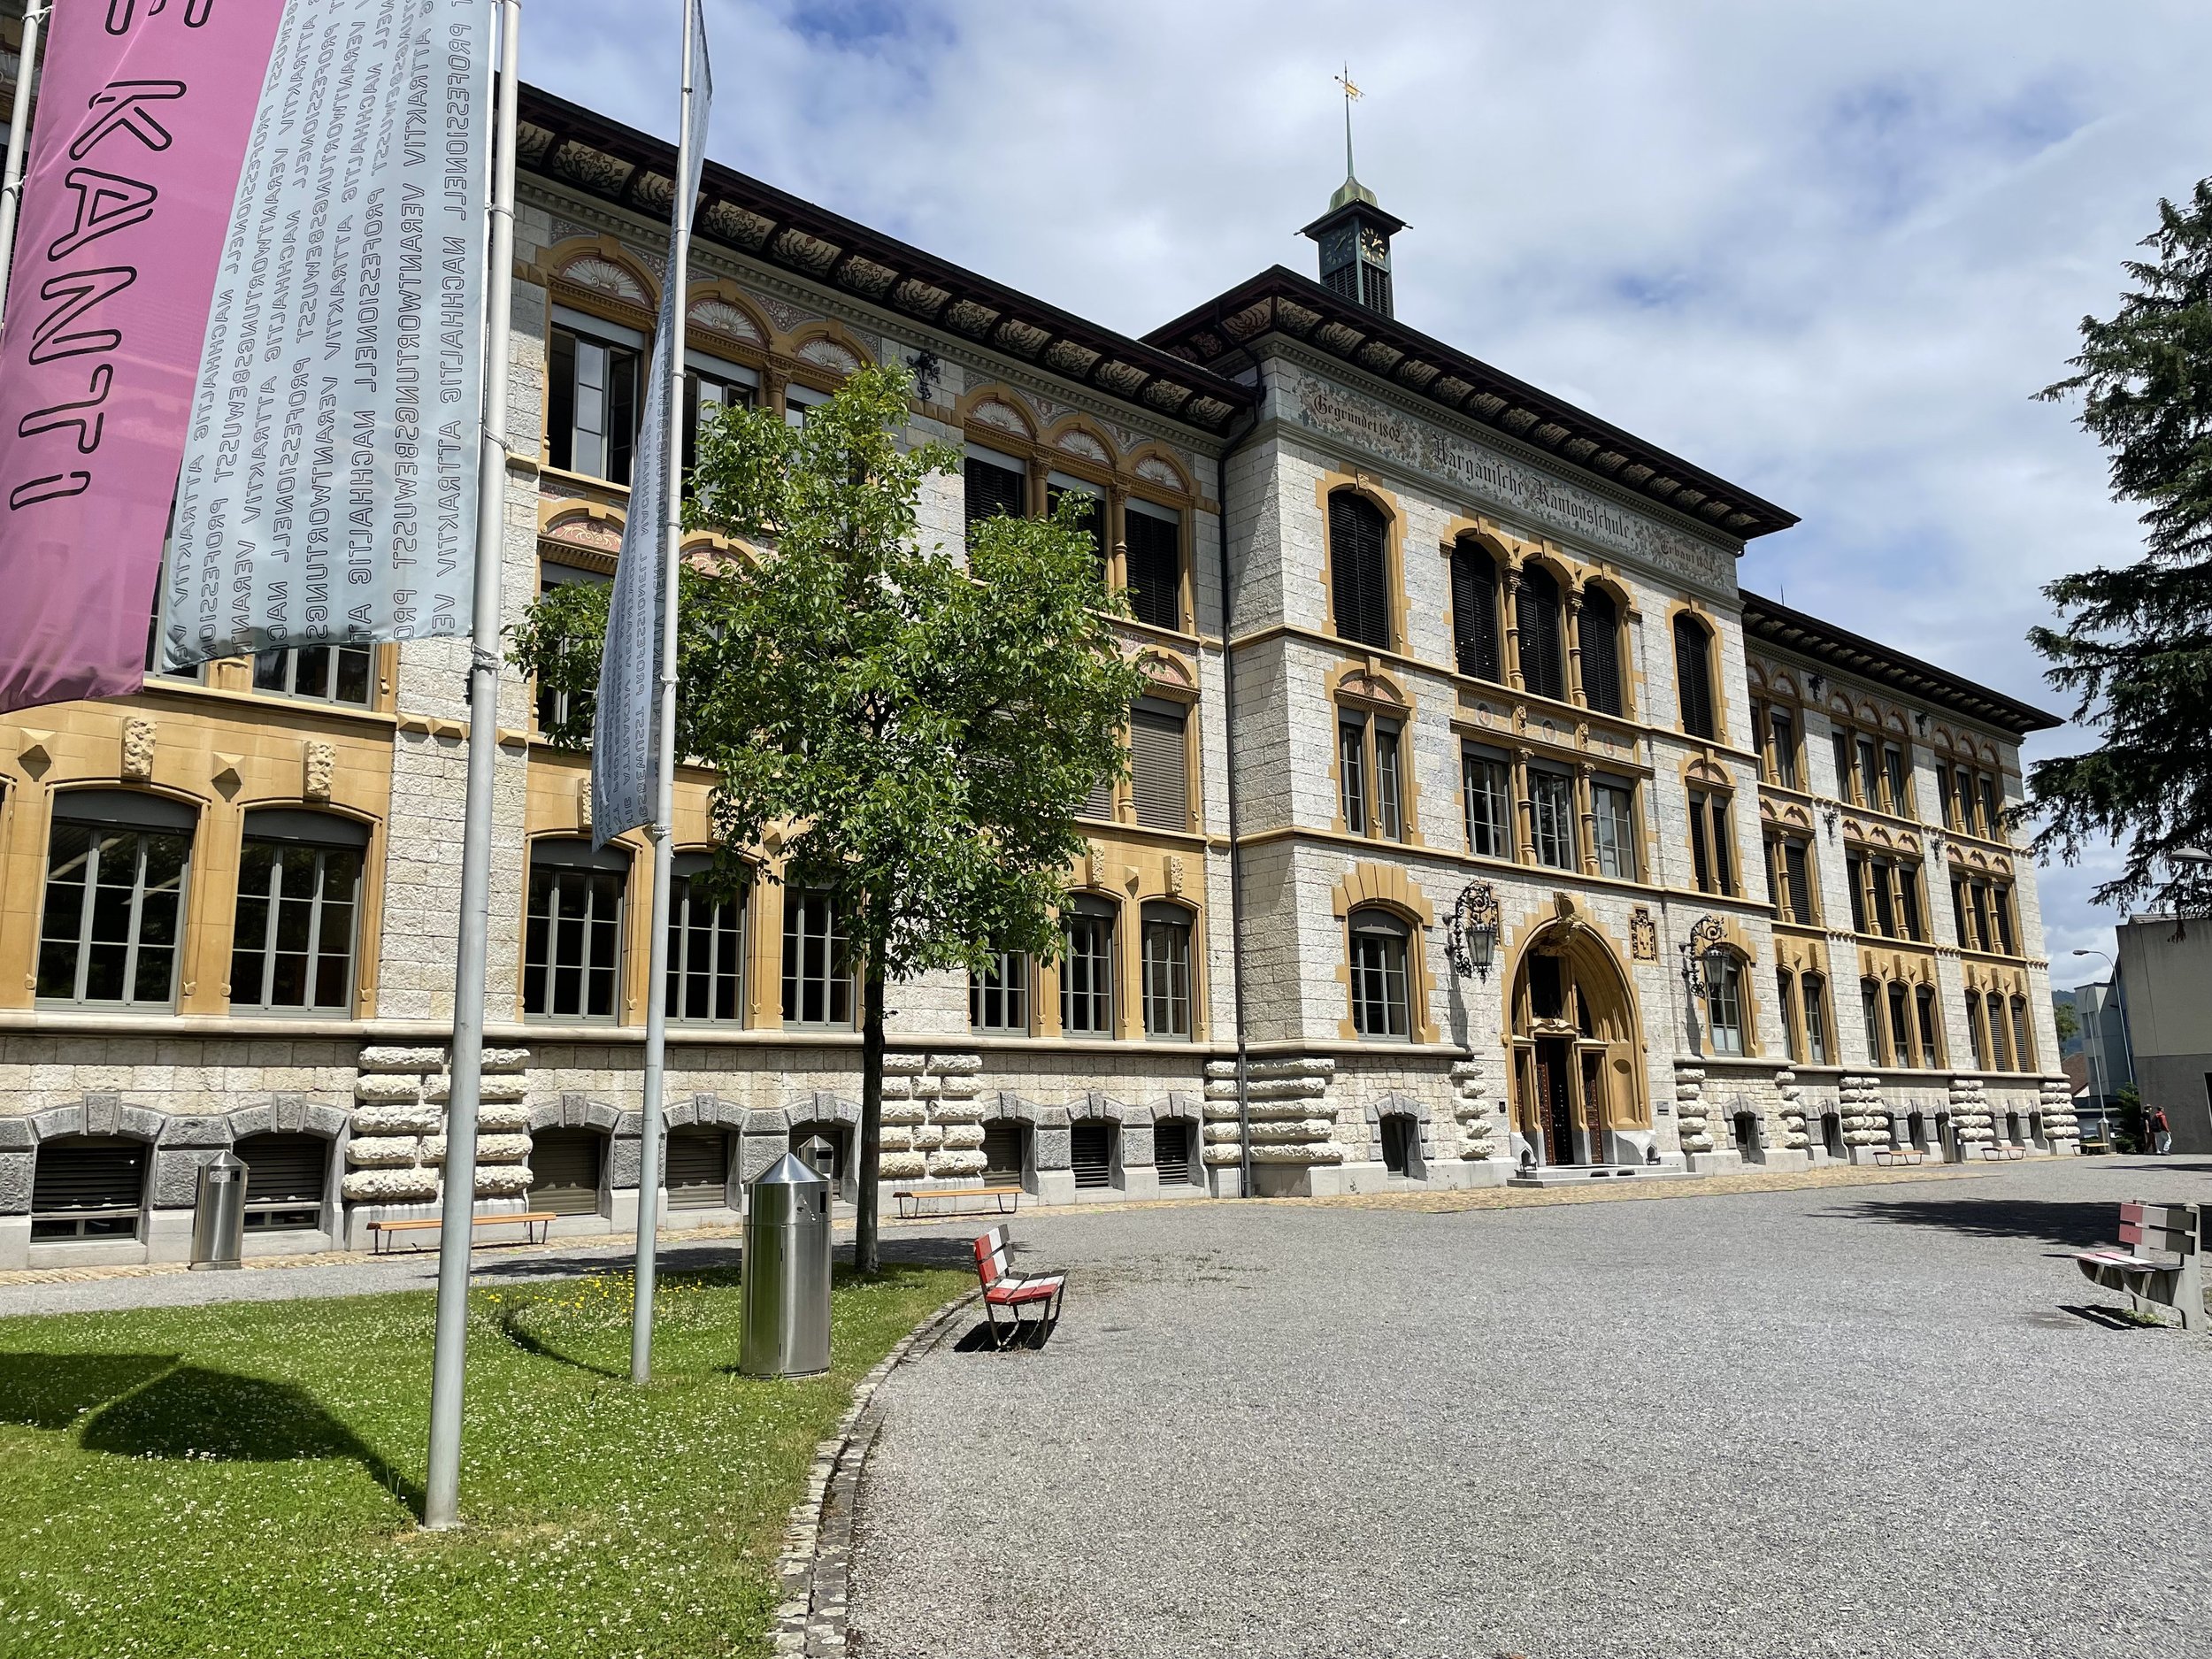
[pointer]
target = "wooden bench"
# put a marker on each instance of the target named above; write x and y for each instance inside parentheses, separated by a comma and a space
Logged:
(1002, 1287)
(1009, 1199)
(1998, 1151)
(2163, 1265)
(1899, 1154)
(542, 1220)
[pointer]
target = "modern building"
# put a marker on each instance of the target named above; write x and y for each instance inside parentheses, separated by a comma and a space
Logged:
(1475, 804)
(2165, 984)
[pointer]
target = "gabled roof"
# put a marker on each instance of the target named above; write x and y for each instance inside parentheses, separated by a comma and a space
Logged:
(620, 165)
(1280, 301)
(1863, 658)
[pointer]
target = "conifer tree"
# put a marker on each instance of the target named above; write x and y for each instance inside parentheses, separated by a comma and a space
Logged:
(2136, 647)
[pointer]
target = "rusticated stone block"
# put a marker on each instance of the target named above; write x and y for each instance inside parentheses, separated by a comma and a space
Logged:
(963, 1137)
(383, 1058)
(379, 1152)
(389, 1186)
(410, 1119)
(956, 1065)
(504, 1059)
(387, 1087)
(1048, 1149)
(954, 1164)
(501, 1181)
(903, 1166)
(15, 1183)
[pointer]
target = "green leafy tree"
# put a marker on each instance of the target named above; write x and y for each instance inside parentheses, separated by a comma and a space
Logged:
(911, 731)
(2067, 1019)
(2136, 649)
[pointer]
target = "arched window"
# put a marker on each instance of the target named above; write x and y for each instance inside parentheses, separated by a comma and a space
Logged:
(1598, 632)
(2023, 1049)
(1475, 613)
(572, 951)
(1543, 657)
(1359, 570)
(1093, 1149)
(706, 944)
(114, 900)
(698, 1167)
(593, 376)
(1172, 1138)
(1400, 1133)
(1694, 675)
(1086, 969)
(1381, 993)
(1166, 971)
(1870, 1013)
(299, 896)
(1005, 1152)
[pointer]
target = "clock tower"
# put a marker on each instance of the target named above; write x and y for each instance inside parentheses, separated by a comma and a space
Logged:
(1354, 237)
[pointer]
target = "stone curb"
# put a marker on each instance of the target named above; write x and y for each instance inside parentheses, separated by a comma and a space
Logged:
(815, 1569)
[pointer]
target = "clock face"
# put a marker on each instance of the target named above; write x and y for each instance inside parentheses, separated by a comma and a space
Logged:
(1336, 249)
(1374, 247)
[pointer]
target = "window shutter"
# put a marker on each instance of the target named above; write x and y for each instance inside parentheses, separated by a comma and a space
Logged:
(1692, 674)
(1599, 636)
(1158, 767)
(994, 490)
(88, 1172)
(1090, 1152)
(1155, 568)
(564, 1170)
(1801, 883)
(1099, 801)
(1475, 614)
(1357, 571)
(1543, 669)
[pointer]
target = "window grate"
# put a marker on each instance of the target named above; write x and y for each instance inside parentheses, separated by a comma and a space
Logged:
(1171, 1152)
(1002, 1154)
(1091, 1150)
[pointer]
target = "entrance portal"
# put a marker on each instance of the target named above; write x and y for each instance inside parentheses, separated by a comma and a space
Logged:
(1575, 1039)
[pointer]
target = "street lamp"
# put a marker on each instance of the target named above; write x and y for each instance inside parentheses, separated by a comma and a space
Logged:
(1702, 953)
(1470, 936)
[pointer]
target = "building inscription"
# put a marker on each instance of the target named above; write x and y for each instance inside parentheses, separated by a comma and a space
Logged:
(1402, 439)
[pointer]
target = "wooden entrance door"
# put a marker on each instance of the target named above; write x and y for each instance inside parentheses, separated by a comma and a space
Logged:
(1593, 1105)
(1555, 1105)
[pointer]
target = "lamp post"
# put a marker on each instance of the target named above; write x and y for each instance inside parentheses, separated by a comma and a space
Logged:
(1701, 951)
(2119, 996)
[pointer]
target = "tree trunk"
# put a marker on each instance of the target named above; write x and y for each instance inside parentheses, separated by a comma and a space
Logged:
(866, 1255)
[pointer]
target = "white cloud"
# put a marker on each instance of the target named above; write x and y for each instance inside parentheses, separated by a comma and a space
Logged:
(1826, 250)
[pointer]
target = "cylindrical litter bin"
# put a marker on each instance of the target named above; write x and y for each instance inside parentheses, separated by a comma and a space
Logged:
(785, 1308)
(218, 1212)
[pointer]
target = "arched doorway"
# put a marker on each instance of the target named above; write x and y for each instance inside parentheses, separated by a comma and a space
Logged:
(1578, 1082)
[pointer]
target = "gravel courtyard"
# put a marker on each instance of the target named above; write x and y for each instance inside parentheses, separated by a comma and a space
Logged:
(1849, 1420)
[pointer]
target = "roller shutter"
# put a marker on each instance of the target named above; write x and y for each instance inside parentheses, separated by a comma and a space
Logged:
(564, 1167)
(1155, 568)
(88, 1187)
(698, 1169)
(1002, 1157)
(1171, 1152)
(1159, 765)
(286, 1175)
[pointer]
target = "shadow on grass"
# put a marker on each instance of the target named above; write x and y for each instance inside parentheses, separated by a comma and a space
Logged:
(538, 1347)
(51, 1391)
(2075, 1225)
(148, 1405)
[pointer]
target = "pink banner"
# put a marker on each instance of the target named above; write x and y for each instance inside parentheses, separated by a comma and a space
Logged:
(144, 111)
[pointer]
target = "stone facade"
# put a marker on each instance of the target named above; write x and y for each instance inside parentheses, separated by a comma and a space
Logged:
(1368, 1059)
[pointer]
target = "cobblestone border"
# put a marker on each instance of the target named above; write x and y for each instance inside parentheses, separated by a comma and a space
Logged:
(814, 1571)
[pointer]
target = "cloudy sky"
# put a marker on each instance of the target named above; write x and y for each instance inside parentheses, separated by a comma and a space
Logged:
(1828, 250)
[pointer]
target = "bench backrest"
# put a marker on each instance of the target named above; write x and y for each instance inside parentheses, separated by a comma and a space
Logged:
(990, 1257)
(2171, 1228)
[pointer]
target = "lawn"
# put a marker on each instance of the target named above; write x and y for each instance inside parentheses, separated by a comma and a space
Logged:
(243, 1478)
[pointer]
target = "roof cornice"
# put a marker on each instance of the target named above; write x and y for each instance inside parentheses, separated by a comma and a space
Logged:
(1280, 301)
(1846, 652)
(605, 159)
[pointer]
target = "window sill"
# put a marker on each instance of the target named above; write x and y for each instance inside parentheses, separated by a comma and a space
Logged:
(266, 702)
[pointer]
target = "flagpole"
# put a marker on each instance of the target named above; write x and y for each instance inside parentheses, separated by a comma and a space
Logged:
(450, 1363)
(663, 828)
(18, 135)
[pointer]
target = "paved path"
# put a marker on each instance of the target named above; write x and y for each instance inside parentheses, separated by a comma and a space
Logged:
(1850, 1420)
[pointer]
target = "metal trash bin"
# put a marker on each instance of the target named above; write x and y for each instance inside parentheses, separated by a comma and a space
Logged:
(786, 1298)
(218, 1212)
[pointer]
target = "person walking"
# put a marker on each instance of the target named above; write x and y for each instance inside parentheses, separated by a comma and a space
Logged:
(2162, 1133)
